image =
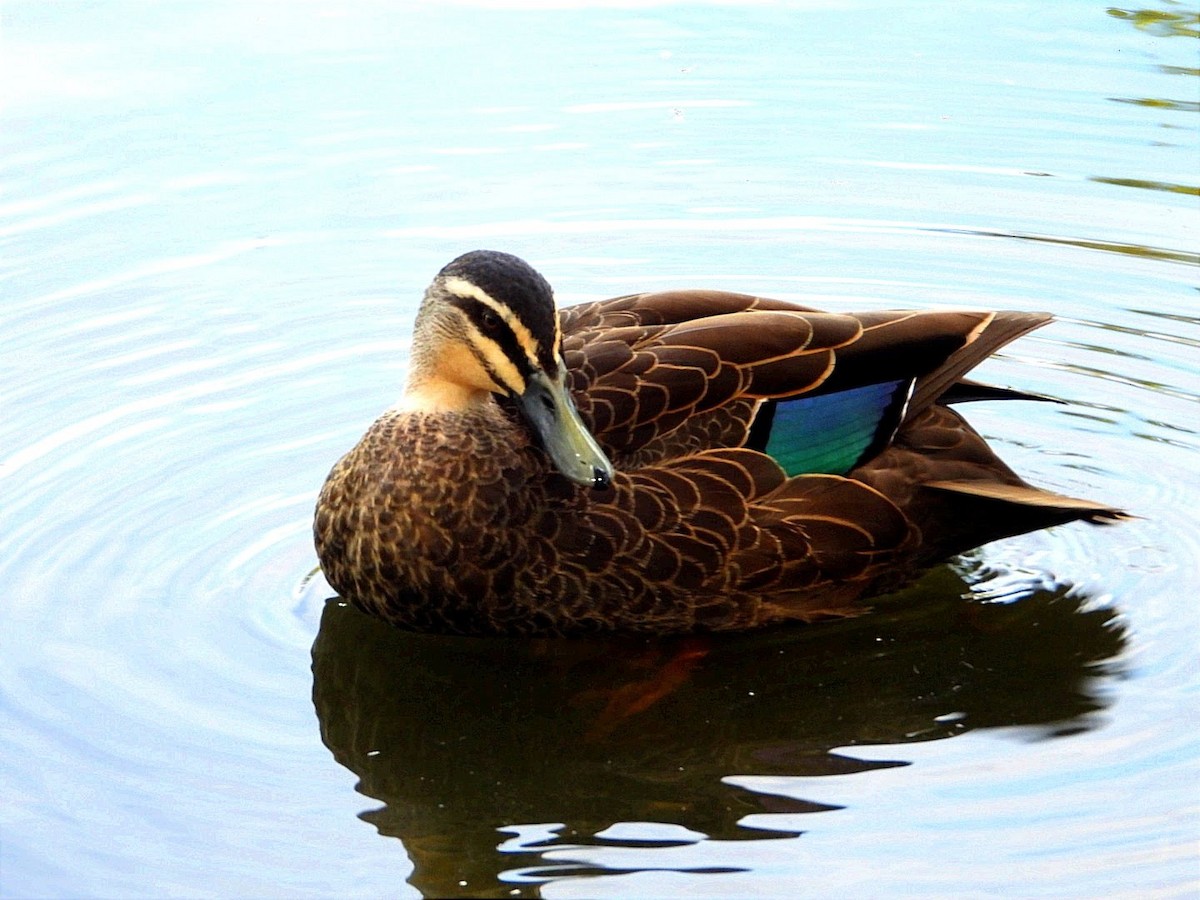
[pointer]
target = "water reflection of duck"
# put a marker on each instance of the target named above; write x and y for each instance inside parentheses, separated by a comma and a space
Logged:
(459, 737)
(771, 462)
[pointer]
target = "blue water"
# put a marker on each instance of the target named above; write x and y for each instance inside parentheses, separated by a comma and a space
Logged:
(216, 221)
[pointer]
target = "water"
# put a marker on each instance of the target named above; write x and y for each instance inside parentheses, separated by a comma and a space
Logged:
(215, 223)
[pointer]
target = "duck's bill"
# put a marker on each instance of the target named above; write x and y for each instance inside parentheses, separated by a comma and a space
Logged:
(548, 406)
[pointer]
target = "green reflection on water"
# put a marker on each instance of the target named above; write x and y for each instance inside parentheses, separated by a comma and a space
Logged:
(1192, 259)
(1160, 253)
(460, 737)
(1161, 23)
(1150, 185)
(1157, 103)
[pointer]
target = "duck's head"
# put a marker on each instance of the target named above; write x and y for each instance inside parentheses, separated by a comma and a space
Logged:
(488, 326)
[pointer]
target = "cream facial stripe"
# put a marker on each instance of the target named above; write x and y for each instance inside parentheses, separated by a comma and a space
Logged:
(464, 288)
(499, 367)
(557, 338)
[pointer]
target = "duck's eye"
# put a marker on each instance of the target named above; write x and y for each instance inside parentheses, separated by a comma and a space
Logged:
(490, 321)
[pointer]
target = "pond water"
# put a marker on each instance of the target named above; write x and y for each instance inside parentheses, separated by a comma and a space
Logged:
(216, 221)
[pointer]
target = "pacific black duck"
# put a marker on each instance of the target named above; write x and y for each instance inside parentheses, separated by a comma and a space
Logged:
(667, 462)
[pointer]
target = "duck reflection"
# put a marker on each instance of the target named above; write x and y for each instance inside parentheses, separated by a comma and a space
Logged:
(461, 737)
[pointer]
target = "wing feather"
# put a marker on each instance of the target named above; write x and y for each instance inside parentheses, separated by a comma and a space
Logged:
(675, 372)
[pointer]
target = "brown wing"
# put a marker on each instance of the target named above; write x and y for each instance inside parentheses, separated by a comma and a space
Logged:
(730, 529)
(667, 374)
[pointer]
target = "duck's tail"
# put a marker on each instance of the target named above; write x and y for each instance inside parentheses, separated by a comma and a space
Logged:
(1056, 507)
(943, 475)
(946, 383)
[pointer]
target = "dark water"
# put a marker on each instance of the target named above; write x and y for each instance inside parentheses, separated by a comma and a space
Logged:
(215, 223)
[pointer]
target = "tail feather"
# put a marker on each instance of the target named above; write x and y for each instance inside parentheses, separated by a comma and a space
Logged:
(1000, 329)
(967, 391)
(943, 475)
(1055, 506)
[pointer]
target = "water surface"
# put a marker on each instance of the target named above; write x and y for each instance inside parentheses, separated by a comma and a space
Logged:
(216, 221)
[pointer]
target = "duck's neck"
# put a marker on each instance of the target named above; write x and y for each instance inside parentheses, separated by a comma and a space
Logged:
(448, 381)
(436, 396)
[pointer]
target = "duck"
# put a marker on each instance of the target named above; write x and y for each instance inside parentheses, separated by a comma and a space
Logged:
(672, 462)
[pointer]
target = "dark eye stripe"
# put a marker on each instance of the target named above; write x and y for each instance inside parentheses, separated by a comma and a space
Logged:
(547, 358)
(497, 330)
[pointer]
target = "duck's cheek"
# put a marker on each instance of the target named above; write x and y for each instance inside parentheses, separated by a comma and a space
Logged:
(461, 364)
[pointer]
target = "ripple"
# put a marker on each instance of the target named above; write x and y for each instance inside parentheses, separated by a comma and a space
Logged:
(209, 284)
(158, 496)
(165, 508)
(187, 566)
